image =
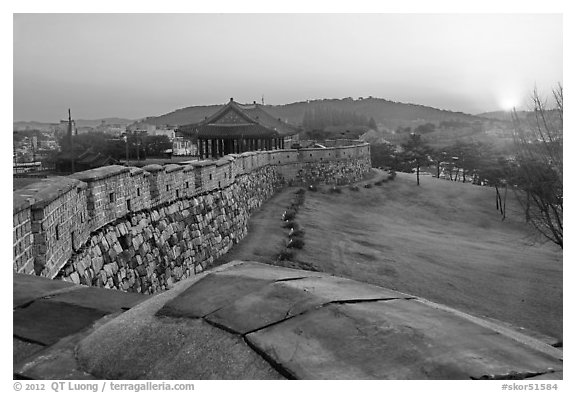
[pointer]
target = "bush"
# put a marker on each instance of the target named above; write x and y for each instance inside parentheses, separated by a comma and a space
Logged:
(286, 255)
(392, 175)
(289, 215)
(295, 242)
(312, 188)
(335, 189)
(354, 188)
(300, 191)
(369, 185)
(295, 232)
(378, 183)
(291, 224)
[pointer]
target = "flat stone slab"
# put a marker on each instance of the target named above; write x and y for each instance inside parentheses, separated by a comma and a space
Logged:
(46, 322)
(395, 339)
(266, 272)
(23, 349)
(26, 288)
(280, 300)
(247, 320)
(105, 300)
(210, 294)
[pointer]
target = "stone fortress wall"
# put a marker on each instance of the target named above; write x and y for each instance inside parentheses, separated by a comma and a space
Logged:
(142, 229)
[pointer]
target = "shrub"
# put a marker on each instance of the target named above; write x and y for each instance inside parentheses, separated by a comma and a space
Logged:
(289, 215)
(312, 188)
(300, 191)
(378, 183)
(335, 189)
(295, 232)
(285, 255)
(354, 188)
(291, 224)
(295, 242)
(369, 185)
(392, 175)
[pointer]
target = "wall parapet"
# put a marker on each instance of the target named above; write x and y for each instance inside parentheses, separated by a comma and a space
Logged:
(56, 220)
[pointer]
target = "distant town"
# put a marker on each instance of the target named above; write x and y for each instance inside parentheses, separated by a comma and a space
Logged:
(38, 146)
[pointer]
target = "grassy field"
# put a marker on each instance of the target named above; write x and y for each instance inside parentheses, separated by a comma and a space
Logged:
(443, 241)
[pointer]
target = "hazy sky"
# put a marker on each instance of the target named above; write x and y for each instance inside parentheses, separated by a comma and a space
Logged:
(137, 65)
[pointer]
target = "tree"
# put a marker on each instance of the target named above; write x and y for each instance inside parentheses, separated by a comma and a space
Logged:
(538, 142)
(495, 171)
(384, 155)
(440, 157)
(466, 157)
(372, 124)
(417, 152)
(425, 128)
(155, 145)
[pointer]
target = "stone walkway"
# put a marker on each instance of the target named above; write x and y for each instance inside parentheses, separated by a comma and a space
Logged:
(246, 320)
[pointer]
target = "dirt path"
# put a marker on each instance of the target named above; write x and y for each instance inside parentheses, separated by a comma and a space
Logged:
(266, 237)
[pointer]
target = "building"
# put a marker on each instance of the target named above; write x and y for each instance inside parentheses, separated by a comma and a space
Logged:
(237, 128)
(183, 147)
(75, 161)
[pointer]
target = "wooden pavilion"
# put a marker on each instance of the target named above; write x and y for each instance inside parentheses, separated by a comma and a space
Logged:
(237, 128)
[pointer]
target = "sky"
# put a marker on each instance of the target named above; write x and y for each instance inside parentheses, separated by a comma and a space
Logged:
(138, 65)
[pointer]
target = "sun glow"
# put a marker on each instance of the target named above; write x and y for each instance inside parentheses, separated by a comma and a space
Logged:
(508, 103)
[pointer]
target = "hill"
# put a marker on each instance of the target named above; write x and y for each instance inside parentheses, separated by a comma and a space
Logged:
(502, 115)
(45, 126)
(33, 125)
(387, 113)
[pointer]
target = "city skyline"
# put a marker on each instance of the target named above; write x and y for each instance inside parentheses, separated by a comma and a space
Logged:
(138, 65)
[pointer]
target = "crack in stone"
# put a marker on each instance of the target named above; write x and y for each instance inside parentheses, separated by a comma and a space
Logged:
(278, 367)
(513, 375)
(293, 278)
(354, 301)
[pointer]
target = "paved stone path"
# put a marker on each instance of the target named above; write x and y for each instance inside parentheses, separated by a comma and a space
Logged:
(246, 320)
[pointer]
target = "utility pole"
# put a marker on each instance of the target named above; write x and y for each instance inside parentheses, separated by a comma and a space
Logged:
(138, 147)
(126, 140)
(70, 141)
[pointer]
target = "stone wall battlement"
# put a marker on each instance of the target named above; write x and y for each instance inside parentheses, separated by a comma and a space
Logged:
(140, 229)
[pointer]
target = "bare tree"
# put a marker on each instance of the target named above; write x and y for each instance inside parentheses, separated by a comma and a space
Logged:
(538, 142)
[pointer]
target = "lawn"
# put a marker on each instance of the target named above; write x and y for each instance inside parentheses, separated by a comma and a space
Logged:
(443, 241)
